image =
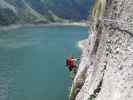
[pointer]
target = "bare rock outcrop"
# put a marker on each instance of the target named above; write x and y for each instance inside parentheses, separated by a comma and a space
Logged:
(107, 58)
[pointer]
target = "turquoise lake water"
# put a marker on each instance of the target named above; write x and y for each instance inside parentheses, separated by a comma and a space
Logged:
(32, 62)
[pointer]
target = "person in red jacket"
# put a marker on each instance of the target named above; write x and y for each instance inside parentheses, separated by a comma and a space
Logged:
(70, 63)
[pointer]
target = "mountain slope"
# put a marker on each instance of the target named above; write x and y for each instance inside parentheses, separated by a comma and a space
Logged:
(6, 10)
(45, 11)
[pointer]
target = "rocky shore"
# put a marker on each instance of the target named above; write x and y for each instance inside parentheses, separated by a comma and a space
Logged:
(14, 26)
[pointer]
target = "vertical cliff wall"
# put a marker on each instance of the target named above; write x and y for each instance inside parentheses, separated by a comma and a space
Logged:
(106, 68)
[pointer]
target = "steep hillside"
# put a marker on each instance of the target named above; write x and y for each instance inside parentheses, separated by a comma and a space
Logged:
(7, 10)
(44, 11)
(106, 68)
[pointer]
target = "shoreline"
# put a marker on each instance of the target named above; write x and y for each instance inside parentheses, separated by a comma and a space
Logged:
(83, 44)
(16, 26)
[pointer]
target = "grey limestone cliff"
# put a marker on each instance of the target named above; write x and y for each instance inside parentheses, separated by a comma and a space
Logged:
(107, 57)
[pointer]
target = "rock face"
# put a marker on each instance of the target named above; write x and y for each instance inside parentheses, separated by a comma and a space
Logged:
(108, 57)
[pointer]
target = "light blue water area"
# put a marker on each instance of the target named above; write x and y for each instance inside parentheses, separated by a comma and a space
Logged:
(32, 62)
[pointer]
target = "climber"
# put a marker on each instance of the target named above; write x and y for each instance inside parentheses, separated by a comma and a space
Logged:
(70, 62)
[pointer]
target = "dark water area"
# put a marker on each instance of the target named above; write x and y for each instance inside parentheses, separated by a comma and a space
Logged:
(32, 62)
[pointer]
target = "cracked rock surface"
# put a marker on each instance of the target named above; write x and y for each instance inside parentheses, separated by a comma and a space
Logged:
(109, 62)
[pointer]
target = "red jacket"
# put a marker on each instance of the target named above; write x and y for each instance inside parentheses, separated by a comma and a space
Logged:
(69, 61)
